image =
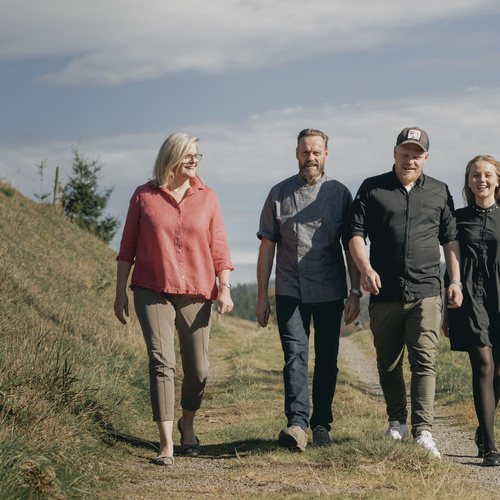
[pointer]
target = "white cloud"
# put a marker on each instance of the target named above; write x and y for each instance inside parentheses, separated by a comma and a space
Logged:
(261, 150)
(132, 40)
(243, 160)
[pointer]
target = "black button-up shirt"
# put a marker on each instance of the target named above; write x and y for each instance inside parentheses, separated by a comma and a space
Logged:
(405, 229)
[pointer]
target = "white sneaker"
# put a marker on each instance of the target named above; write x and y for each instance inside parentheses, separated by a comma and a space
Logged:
(424, 440)
(396, 430)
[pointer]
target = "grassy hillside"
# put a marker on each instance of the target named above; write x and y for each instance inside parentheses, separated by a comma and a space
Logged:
(69, 372)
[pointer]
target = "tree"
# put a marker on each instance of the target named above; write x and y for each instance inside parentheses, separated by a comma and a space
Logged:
(82, 201)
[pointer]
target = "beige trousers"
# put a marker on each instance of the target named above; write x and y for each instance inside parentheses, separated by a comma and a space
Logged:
(160, 314)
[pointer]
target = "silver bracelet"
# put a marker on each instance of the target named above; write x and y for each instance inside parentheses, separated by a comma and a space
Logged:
(226, 284)
(455, 282)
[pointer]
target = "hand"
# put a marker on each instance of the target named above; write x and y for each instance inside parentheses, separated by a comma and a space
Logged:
(454, 296)
(121, 307)
(224, 300)
(262, 311)
(370, 281)
(351, 308)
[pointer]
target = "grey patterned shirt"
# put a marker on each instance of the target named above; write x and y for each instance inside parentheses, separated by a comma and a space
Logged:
(307, 224)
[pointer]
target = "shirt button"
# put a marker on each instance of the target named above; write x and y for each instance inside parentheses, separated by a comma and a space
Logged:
(180, 250)
(178, 223)
(182, 277)
(178, 236)
(178, 211)
(182, 264)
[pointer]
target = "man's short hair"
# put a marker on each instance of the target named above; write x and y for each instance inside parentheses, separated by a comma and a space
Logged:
(310, 131)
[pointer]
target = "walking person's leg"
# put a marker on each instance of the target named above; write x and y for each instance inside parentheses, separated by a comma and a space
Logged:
(483, 375)
(156, 316)
(387, 326)
(294, 326)
(327, 317)
(423, 318)
(193, 321)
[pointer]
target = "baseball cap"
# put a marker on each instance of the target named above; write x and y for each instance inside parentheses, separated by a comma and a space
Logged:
(414, 135)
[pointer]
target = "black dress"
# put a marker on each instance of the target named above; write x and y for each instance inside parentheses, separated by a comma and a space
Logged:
(477, 322)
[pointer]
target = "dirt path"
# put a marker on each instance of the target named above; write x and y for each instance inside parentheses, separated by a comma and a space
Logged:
(455, 445)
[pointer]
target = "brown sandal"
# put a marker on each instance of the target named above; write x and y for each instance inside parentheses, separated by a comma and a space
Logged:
(165, 461)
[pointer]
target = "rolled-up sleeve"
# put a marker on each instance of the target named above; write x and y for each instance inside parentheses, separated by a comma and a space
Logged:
(448, 226)
(357, 219)
(219, 247)
(130, 235)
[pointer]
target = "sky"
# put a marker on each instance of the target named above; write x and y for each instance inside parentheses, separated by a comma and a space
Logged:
(116, 77)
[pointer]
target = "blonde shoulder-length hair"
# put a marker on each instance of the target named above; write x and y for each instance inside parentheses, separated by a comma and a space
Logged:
(170, 158)
(467, 191)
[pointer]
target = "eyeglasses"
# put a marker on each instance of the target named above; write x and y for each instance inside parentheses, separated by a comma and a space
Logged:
(190, 158)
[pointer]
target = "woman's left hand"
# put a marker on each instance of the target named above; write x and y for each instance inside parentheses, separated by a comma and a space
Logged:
(224, 300)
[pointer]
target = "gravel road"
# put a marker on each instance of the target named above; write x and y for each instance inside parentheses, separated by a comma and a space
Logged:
(455, 445)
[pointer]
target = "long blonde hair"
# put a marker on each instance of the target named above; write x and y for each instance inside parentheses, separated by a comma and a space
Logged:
(170, 157)
(467, 191)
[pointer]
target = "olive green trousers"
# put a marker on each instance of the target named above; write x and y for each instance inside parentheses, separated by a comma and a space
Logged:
(414, 325)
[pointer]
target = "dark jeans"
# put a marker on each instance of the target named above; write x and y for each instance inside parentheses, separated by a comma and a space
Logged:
(294, 320)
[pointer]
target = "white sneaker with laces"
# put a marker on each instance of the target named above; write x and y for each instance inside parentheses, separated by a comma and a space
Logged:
(396, 430)
(424, 440)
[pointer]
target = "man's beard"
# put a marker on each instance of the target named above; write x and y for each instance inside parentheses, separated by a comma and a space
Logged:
(310, 176)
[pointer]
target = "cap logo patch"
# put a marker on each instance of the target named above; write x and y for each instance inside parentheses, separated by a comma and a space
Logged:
(414, 134)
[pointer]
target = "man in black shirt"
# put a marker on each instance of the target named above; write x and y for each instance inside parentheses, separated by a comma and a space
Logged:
(406, 215)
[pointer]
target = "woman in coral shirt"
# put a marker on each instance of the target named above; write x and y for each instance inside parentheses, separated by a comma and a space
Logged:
(174, 237)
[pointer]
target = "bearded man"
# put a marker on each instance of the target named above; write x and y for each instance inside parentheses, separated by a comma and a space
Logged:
(406, 215)
(305, 217)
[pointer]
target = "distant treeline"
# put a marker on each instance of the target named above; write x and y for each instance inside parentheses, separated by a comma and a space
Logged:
(245, 299)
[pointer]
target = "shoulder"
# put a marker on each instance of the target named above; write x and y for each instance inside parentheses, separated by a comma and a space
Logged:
(334, 184)
(286, 184)
(145, 189)
(432, 184)
(335, 188)
(385, 180)
(463, 212)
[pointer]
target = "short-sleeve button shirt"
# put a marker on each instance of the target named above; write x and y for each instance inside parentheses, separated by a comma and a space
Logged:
(308, 223)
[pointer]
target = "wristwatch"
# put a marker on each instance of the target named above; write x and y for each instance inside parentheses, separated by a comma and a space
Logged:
(359, 293)
(226, 284)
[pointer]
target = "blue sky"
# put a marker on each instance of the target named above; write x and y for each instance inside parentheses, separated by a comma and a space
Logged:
(117, 77)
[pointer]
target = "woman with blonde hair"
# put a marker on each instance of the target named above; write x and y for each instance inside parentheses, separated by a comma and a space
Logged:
(475, 326)
(174, 237)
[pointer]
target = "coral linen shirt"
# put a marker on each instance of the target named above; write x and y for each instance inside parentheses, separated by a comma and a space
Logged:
(175, 247)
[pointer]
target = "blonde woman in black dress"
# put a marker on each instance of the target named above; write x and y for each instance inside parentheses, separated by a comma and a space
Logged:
(475, 327)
